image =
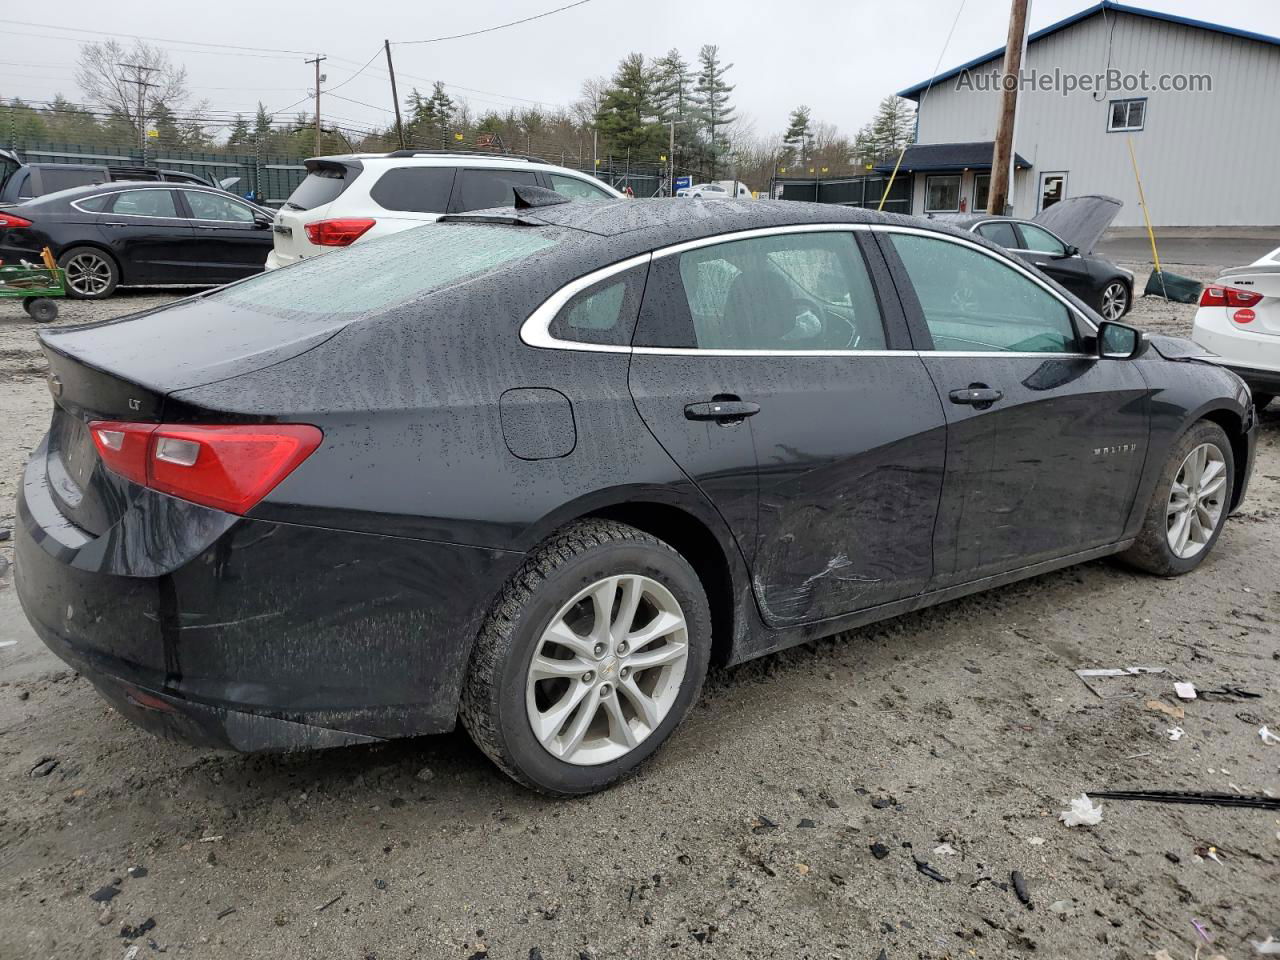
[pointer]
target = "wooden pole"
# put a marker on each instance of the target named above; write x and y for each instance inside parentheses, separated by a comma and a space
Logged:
(1003, 153)
(395, 97)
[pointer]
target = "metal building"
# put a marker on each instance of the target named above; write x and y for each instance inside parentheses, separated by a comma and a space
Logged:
(1207, 152)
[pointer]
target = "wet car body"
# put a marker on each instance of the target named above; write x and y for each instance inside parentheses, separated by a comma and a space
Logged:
(459, 432)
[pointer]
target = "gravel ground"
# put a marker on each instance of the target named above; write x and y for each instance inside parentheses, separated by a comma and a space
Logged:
(785, 819)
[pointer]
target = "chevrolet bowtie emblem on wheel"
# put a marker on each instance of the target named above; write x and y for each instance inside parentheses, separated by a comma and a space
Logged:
(55, 385)
(1111, 451)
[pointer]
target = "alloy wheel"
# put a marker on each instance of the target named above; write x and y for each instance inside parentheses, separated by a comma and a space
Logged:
(88, 274)
(1115, 300)
(1196, 500)
(607, 670)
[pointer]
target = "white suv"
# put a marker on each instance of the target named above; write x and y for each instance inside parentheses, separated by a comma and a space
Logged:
(349, 198)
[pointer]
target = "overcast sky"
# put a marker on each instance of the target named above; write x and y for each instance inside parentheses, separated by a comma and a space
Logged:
(838, 56)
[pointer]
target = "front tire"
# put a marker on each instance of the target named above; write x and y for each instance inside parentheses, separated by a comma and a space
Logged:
(591, 656)
(1190, 505)
(91, 274)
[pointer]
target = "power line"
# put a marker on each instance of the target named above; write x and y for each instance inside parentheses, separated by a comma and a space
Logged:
(500, 26)
(135, 36)
(214, 53)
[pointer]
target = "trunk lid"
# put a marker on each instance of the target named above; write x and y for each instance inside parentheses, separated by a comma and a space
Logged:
(1080, 221)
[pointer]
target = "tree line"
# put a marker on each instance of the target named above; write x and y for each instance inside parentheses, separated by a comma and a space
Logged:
(653, 111)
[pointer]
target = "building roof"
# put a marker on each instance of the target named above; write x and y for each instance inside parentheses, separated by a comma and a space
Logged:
(913, 92)
(925, 157)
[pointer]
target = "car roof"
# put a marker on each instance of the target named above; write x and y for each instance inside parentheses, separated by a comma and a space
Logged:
(451, 158)
(116, 186)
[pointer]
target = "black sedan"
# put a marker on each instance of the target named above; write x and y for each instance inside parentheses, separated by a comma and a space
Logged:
(536, 468)
(139, 234)
(1060, 241)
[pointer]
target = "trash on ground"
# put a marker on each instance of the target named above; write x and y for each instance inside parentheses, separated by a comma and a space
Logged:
(104, 894)
(1104, 673)
(329, 903)
(1020, 888)
(1185, 691)
(1176, 733)
(1083, 812)
(133, 933)
(1267, 736)
(1269, 946)
(1035, 841)
(1204, 934)
(928, 871)
(1178, 796)
(944, 850)
(1160, 706)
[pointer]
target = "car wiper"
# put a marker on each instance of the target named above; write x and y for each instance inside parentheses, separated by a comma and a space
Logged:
(294, 206)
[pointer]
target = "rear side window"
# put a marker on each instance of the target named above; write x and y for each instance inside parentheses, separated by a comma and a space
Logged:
(1000, 232)
(414, 189)
(373, 276)
(321, 186)
(94, 204)
(807, 291)
(973, 302)
(145, 203)
(482, 189)
(52, 179)
(604, 313)
(578, 189)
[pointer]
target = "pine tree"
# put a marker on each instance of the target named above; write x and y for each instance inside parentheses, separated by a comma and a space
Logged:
(891, 129)
(714, 110)
(628, 118)
(239, 135)
(799, 136)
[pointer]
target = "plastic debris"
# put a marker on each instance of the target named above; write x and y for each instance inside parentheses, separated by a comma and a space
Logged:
(1020, 888)
(1267, 736)
(1176, 733)
(1268, 947)
(1204, 934)
(923, 867)
(1159, 705)
(1185, 691)
(1035, 841)
(1083, 812)
(944, 850)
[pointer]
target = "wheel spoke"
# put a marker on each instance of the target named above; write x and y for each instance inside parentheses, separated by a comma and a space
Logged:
(578, 728)
(632, 592)
(1178, 533)
(552, 719)
(645, 705)
(1211, 489)
(602, 605)
(619, 728)
(661, 625)
(560, 632)
(549, 668)
(657, 657)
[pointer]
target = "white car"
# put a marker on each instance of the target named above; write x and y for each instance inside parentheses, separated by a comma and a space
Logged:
(716, 190)
(1239, 320)
(345, 199)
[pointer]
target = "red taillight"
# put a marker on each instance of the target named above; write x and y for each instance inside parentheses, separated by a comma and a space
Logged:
(1220, 296)
(9, 220)
(229, 468)
(337, 233)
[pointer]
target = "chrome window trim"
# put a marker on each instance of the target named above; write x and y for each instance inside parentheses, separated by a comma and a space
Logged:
(127, 189)
(755, 233)
(696, 352)
(1009, 262)
(536, 330)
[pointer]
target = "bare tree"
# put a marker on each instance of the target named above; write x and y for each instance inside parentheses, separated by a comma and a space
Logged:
(587, 106)
(106, 72)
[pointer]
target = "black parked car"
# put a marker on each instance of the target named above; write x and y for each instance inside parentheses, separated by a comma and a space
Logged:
(537, 467)
(139, 234)
(1060, 241)
(21, 181)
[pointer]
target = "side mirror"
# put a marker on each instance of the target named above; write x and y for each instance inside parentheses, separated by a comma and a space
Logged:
(1119, 341)
(1069, 251)
(261, 221)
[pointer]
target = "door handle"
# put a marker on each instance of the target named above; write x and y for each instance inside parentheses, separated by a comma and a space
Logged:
(727, 410)
(115, 223)
(978, 395)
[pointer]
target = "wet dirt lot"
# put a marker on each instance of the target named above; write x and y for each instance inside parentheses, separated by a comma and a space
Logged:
(785, 819)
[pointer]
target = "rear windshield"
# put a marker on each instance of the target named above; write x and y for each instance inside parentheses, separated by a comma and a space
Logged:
(379, 274)
(320, 187)
(52, 179)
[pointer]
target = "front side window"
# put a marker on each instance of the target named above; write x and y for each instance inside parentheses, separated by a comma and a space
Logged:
(414, 189)
(973, 302)
(807, 291)
(210, 206)
(578, 189)
(145, 203)
(942, 194)
(483, 189)
(1041, 240)
(1127, 115)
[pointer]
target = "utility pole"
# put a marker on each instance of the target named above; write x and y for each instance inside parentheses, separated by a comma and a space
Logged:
(395, 97)
(317, 61)
(671, 160)
(1002, 158)
(139, 71)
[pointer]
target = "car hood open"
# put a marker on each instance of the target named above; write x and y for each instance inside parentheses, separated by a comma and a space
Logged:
(1080, 221)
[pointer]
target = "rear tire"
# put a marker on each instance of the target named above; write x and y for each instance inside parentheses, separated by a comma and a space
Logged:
(1114, 300)
(91, 273)
(1189, 506)
(570, 719)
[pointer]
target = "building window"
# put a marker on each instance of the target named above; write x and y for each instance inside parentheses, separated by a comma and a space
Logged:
(942, 194)
(981, 191)
(1127, 115)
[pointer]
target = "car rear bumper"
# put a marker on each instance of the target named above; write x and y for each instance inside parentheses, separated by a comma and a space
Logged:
(256, 635)
(1254, 356)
